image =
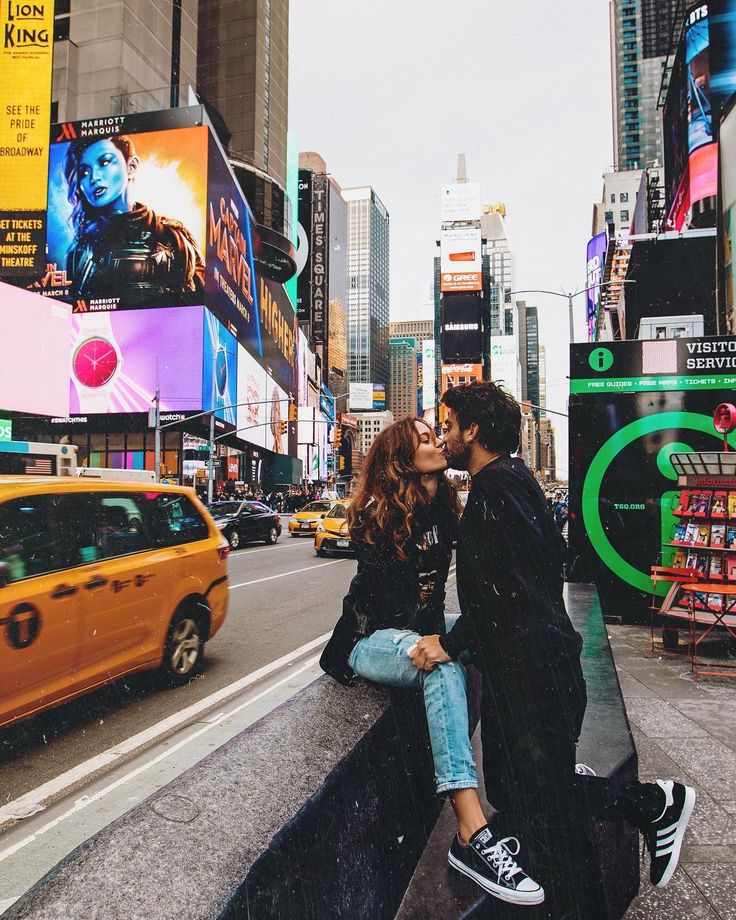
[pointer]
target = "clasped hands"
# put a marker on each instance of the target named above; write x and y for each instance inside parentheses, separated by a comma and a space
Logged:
(428, 653)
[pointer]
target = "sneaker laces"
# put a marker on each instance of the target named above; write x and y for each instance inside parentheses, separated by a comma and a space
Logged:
(502, 857)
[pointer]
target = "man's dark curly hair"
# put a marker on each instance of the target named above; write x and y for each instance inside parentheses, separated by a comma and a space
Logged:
(496, 413)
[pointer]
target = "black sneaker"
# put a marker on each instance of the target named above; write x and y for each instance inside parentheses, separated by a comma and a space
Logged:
(490, 863)
(663, 837)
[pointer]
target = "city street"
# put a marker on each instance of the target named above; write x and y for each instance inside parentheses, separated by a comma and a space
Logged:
(70, 771)
(281, 598)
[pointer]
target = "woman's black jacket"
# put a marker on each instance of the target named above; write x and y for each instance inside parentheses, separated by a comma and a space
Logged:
(385, 592)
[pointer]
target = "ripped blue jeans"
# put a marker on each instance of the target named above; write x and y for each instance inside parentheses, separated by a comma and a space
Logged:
(382, 658)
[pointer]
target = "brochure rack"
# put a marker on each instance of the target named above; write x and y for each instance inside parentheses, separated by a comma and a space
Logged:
(700, 556)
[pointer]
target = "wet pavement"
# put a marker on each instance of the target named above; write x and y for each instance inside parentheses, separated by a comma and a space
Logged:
(684, 729)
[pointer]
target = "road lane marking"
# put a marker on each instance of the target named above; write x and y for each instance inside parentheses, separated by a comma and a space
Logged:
(309, 568)
(37, 799)
(86, 800)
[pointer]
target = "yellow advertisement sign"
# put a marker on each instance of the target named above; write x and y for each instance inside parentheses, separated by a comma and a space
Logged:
(26, 47)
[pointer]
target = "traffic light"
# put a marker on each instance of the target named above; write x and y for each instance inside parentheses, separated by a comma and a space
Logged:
(284, 427)
(292, 412)
(337, 441)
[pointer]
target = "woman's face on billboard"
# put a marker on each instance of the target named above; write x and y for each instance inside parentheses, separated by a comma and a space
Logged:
(104, 175)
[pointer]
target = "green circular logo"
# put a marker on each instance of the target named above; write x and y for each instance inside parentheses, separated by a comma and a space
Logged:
(601, 359)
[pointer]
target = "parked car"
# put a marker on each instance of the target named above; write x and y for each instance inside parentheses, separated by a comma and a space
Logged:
(246, 522)
(332, 534)
(101, 579)
(304, 522)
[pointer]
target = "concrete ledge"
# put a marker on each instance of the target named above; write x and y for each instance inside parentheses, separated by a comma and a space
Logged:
(321, 809)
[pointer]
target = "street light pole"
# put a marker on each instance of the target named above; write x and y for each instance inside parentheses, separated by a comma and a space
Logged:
(157, 436)
(211, 463)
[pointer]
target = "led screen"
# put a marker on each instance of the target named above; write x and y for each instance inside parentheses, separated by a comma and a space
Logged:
(117, 359)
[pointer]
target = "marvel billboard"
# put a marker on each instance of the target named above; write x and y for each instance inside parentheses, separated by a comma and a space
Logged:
(461, 329)
(596, 260)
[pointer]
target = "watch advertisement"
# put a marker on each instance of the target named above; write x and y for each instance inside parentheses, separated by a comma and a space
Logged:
(262, 406)
(220, 370)
(622, 436)
(126, 216)
(118, 359)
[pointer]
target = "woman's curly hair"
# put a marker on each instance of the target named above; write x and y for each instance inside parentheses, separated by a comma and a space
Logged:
(390, 493)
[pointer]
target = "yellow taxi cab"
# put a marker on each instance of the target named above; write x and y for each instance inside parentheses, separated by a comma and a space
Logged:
(332, 534)
(304, 522)
(99, 579)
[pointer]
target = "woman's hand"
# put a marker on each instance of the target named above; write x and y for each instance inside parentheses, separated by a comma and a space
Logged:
(428, 653)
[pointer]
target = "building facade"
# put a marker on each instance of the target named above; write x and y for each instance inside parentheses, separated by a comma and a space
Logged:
(368, 296)
(403, 361)
(418, 329)
(641, 31)
(528, 333)
(547, 454)
(370, 425)
(620, 191)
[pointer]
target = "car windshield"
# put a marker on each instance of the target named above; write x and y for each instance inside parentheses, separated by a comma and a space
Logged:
(317, 506)
(339, 511)
(258, 508)
(224, 508)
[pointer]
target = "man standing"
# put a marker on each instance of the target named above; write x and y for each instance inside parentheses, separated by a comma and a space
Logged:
(513, 621)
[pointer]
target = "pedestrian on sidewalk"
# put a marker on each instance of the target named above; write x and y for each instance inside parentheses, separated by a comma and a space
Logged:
(513, 619)
(403, 521)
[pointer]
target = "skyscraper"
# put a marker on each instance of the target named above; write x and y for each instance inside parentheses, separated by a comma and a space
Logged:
(368, 295)
(640, 41)
(528, 321)
(403, 371)
(498, 262)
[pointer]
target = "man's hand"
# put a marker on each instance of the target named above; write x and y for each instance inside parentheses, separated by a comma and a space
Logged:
(428, 652)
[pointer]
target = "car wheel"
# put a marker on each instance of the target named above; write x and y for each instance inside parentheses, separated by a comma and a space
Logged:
(233, 538)
(273, 536)
(184, 647)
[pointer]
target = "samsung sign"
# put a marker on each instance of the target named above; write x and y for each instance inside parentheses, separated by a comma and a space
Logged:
(462, 329)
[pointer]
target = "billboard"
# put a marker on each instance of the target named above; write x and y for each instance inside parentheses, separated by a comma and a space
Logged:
(219, 369)
(460, 202)
(303, 252)
(461, 329)
(596, 261)
(262, 405)
(34, 353)
(454, 375)
(25, 74)
(505, 365)
(633, 404)
(320, 259)
(379, 397)
(118, 359)
(461, 267)
(360, 397)
(728, 214)
(429, 380)
(703, 78)
(126, 215)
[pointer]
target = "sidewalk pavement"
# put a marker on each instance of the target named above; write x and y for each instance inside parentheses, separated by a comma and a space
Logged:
(685, 730)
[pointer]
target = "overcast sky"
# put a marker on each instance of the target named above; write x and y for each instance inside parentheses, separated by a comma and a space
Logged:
(389, 92)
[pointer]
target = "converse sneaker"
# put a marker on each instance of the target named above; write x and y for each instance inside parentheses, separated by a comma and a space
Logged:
(663, 837)
(582, 769)
(490, 863)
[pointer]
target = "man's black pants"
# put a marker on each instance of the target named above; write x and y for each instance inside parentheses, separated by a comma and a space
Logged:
(530, 724)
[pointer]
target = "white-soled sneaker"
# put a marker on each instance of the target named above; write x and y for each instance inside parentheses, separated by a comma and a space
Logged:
(490, 863)
(663, 837)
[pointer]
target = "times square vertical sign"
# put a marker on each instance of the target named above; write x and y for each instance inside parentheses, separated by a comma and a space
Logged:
(319, 259)
(26, 49)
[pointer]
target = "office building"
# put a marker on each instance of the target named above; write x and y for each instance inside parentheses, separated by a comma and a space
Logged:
(542, 381)
(620, 190)
(243, 71)
(370, 425)
(368, 295)
(641, 32)
(529, 438)
(528, 337)
(419, 329)
(403, 367)
(322, 286)
(547, 453)
(498, 263)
